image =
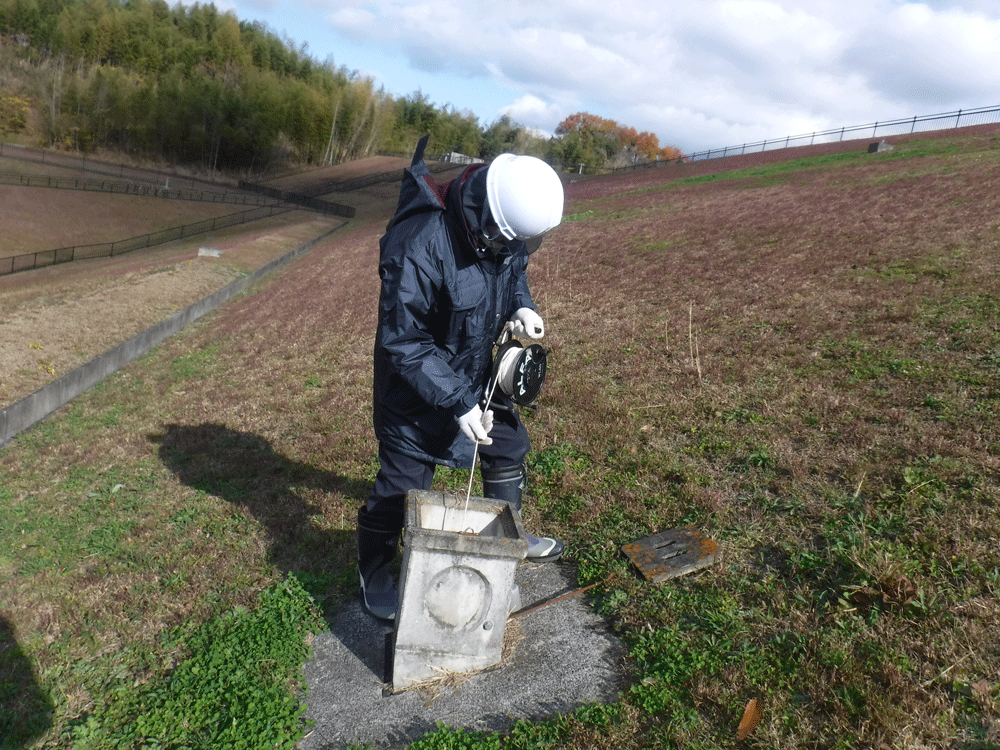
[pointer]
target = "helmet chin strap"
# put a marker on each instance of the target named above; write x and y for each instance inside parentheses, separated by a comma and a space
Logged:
(489, 235)
(494, 246)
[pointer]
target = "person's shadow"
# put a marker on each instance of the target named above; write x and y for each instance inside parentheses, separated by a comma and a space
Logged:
(25, 708)
(314, 542)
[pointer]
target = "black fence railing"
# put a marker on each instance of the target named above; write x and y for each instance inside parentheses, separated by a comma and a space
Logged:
(365, 181)
(152, 183)
(44, 258)
(299, 199)
(89, 165)
(139, 189)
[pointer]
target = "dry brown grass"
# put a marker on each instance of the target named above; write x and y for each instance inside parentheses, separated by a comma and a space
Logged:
(845, 319)
(56, 318)
(38, 219)
(837, 435)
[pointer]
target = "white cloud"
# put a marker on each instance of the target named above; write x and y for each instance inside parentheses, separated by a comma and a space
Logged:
(354, 22)
(915, 54)
(712, 73)
(543, 116)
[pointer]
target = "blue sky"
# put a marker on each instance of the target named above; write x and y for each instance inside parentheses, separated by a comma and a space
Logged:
(387, 63)
(699, 74)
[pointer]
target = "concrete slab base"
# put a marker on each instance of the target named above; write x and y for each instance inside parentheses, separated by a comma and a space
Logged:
(556, 658)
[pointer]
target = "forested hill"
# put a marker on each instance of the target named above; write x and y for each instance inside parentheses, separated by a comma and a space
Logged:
(193, 86)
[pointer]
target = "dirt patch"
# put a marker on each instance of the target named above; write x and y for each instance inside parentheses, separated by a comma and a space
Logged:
(36, 219)
(55, 319)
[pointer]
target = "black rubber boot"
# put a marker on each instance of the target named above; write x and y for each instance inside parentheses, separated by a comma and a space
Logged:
(378, 535)
(507, 483)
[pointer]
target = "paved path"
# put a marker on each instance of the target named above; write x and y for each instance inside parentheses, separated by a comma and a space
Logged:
(563, 656)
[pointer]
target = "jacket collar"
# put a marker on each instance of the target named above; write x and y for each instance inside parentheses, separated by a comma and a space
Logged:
(467, 207)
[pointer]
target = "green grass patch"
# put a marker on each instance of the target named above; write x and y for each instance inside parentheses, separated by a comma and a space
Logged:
(194, 364)
(776, 171)
(238, 688)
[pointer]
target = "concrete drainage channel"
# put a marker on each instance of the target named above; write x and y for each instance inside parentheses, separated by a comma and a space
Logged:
(22, 414)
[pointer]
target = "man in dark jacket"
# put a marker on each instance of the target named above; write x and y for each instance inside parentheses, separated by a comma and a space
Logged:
(454, 273)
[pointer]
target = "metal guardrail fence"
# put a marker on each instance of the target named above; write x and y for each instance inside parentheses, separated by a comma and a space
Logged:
(906, 126)
(106, 249)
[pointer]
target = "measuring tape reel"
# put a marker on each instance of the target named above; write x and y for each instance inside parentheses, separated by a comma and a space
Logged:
(519, 370)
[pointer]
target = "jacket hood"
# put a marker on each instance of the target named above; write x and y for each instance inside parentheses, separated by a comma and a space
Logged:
(464, 199)
(467, 205)
(419, 191)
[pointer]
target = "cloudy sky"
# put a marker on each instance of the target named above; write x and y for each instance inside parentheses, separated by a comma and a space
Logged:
(698, 73)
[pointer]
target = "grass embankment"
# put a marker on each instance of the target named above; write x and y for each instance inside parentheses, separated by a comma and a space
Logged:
(801, 359)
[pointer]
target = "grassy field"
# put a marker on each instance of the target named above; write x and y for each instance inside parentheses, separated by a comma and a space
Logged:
(800, 358)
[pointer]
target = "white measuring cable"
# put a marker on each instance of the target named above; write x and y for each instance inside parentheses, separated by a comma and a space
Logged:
(475, 451)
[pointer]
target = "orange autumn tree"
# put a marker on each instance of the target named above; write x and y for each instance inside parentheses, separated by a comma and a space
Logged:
(595, 141)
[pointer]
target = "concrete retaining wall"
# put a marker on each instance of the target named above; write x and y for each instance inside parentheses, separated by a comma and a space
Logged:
(22, 414)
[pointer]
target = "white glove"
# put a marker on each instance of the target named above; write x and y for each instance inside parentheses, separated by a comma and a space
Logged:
(526, 322)
(476, 425)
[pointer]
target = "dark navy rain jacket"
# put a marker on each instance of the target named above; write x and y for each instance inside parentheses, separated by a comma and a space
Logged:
(443, 303)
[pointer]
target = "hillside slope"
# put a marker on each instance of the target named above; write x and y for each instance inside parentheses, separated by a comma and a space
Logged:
(58, 317)
(799, 358)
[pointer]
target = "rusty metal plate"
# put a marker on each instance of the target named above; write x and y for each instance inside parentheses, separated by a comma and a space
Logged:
(671, 553)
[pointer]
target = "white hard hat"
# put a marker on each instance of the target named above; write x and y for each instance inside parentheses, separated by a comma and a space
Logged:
(525, 196)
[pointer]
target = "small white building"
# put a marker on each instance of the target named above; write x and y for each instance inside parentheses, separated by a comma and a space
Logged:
(454, 157)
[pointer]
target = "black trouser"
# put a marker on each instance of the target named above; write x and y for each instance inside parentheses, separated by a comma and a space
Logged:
(381, 518)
